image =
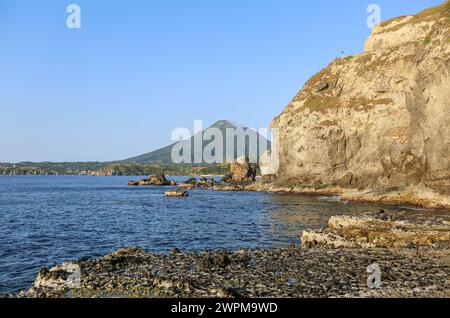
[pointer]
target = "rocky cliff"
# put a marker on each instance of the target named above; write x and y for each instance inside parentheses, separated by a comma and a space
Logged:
(378, 122)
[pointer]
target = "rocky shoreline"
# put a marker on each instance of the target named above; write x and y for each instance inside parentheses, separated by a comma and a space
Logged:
(412, 251)
(242, 177)
(413, 254)
(291, 272)
(373, 127)
(382, 230)
(423, 198)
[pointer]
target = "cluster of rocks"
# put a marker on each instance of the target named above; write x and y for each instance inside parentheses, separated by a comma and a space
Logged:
(157, 180)
(381, 230)
(231, 187)
(242, 173)
(290, 272)
(199, 183)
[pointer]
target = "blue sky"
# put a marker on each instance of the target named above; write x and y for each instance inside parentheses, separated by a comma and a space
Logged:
(136, 70)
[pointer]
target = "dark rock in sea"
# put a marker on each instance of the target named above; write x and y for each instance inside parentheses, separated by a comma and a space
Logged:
(206, 183)
(157, 180)
(192, 181)
(202, 183)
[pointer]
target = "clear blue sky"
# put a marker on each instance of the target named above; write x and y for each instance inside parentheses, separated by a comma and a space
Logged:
(138, 69)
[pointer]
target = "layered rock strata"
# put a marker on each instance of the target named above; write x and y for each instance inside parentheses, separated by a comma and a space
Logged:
(377, 122)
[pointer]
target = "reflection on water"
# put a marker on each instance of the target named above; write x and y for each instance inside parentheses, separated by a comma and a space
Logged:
(291, 214)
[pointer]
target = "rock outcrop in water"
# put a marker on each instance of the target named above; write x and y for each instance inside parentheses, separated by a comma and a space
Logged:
(377, 124)
(241, 171)
(198, 183)
(176, 193)
(157, 180)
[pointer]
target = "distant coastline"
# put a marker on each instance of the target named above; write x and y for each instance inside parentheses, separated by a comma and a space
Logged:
(109, 169)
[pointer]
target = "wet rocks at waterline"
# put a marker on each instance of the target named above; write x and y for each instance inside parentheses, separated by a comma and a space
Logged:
(177, 193)
(201, 183)
(289, 272)
(381, 230)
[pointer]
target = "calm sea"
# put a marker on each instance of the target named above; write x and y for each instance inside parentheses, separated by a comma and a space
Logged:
(49, 220)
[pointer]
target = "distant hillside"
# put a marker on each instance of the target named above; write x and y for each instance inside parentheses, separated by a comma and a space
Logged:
(158, 161)
(164, 155)
(48, 168)
(130, 169)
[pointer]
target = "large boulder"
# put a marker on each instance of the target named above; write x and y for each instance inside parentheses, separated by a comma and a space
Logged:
(177, 193)
(156, 180)
(241, 171)
(206, 183)
(201, 183)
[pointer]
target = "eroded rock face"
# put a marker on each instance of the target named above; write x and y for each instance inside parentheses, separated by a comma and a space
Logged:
(241, 171)
(379, 120)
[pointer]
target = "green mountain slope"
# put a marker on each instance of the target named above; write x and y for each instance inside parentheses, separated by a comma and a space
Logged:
(164, 155)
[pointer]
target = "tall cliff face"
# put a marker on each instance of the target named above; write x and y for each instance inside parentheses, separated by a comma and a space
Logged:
(378, 120)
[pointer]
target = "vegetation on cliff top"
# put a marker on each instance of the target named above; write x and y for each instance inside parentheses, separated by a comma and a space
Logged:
(430, 14)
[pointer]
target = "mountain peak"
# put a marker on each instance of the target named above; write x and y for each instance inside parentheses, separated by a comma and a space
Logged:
(163, 155)
(223, 124)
